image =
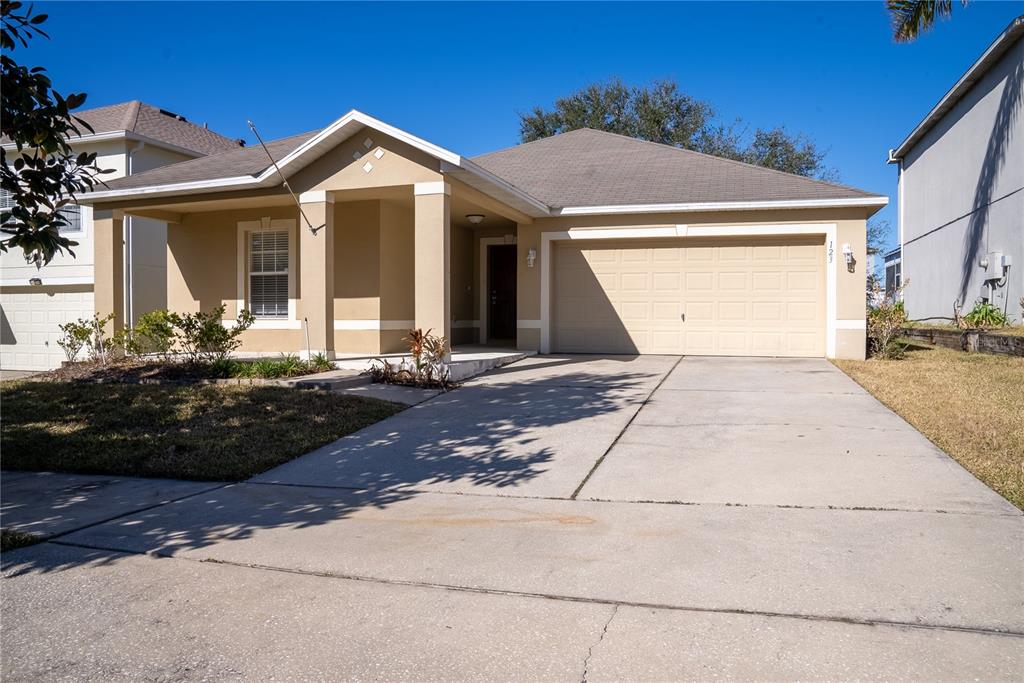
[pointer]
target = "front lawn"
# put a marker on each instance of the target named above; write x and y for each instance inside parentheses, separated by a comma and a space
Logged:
(971, 405)
(220, 433)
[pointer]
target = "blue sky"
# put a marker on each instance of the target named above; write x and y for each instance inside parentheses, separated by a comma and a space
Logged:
(458, 73)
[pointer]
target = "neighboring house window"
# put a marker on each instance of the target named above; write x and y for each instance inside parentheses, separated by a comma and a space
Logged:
(893, 277)
(268, 274)
(72, 212)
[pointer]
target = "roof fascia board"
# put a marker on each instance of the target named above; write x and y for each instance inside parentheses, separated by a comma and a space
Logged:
(877, 201)
(994, 51)
(124, 135)
(235, 182)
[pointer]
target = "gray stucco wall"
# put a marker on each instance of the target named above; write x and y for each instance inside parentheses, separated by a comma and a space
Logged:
(963, 196)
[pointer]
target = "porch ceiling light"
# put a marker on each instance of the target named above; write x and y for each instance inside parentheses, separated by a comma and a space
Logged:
(475, 218)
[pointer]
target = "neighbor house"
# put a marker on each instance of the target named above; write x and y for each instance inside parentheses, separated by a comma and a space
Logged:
(582, 242)
(961, 190)
(128, 138)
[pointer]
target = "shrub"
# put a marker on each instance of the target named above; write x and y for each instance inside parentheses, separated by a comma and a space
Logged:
(287, 365)
(427, 368)
(203, 336)
(156, 332)
(886, 319)
(320, 363)
(100, 348)
(983, 316)
(74, 336)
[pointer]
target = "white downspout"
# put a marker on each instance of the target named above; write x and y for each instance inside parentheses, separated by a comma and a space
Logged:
(899, 221)
(129, 265)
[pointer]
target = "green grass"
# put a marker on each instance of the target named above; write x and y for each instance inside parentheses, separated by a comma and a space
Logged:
(219, 433)
(11, 539)
(970, 405)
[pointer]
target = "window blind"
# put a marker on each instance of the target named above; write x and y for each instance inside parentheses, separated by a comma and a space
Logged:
(268, 274)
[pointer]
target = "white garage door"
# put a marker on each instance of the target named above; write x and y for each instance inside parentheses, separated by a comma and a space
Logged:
(29, 320)
(763, 297)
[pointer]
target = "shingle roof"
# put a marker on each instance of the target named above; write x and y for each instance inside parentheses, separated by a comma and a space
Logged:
(582, 168)
(588, 167)
(152, 122)
(238, 162)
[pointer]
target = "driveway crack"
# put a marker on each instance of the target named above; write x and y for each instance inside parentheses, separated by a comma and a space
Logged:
(600, 639)
(623, 431)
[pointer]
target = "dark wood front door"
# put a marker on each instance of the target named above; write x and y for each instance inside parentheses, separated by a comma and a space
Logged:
(501, 291)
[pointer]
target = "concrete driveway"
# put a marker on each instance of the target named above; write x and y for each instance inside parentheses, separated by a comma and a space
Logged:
(558, 519)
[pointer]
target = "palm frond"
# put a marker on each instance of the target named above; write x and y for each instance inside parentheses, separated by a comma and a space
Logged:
(912, 17)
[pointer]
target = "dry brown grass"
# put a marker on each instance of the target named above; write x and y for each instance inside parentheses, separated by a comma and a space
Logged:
(971, 405)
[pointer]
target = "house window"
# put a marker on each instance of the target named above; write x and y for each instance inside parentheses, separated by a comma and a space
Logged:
(71, 212)
(268, 274)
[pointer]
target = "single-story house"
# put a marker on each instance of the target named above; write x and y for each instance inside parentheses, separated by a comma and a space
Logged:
(961, 190)
(582, 242)
(128, 138)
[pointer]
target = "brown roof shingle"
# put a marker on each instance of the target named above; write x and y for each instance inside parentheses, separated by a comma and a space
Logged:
(581, 168)
(238, 162)
(588, 167)
(145, 119)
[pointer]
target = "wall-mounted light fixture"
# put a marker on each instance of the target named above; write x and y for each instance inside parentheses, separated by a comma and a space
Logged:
(531, 257)
(848, 255)
(35, 281)
(475, 218)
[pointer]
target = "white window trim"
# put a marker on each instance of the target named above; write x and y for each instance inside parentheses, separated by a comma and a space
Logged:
(242, 271)
(827, 229)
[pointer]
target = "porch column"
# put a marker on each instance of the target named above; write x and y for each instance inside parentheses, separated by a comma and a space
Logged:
(316, 270)
(432, 238)
(108, 260)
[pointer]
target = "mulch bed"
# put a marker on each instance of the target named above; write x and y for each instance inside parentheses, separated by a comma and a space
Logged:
(130, 370)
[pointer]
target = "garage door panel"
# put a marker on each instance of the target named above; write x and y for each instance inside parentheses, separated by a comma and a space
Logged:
(31, 325)
(699, 282)
(732, 281)
(761, 297)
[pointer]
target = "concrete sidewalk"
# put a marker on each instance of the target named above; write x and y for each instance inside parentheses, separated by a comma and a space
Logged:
(562, 518)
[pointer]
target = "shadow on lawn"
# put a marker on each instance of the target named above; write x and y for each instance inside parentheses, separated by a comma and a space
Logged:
(489, 434)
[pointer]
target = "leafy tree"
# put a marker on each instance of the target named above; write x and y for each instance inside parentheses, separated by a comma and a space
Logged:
(911, 17)
(662, 113)
(44, 174)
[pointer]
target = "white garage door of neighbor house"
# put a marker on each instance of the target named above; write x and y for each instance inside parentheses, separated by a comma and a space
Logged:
(28, 324)
(723, 297)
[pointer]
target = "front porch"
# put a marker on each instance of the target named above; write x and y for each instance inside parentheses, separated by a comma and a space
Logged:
(347, 275)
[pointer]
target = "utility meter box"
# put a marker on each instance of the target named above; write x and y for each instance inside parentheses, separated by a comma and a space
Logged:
(996, 263)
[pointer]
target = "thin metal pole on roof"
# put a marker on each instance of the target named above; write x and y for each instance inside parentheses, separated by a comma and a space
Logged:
(284, 180)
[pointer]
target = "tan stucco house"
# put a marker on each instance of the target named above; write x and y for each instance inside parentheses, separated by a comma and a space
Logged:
(582, 242)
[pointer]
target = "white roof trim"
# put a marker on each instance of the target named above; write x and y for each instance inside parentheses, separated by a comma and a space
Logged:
(977, 71)
(878, 201)
(126, 135)
(159, 190)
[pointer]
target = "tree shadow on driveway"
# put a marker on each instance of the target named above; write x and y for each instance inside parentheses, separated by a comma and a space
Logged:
(486, 437)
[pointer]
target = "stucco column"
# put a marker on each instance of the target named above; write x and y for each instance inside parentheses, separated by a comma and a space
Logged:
(316, 271)
(432, 262)
(108, 260)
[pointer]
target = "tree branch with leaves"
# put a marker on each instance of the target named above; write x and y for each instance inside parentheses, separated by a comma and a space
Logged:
(42, 174)
(662, 113)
